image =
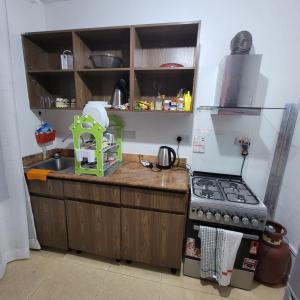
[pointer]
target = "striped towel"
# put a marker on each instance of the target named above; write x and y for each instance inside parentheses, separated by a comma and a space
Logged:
(218, 252)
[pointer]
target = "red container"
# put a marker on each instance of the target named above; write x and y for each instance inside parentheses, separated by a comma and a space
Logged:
(43, 138)
(274, 261)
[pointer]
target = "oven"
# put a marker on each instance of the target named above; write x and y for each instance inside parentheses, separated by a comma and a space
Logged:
(246, 259)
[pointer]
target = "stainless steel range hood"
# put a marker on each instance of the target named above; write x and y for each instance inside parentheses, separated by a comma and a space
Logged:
(236, 84)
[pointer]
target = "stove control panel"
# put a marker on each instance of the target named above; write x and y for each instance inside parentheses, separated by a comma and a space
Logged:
(238, 218)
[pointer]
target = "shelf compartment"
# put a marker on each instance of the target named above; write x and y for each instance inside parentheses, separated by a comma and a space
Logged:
(48, 84)
(148, 83)
(42, 51)
(159, 44)
(99, 41)
(97, 84)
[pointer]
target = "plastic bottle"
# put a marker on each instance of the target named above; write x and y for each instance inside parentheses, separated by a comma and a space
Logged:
(187, 101)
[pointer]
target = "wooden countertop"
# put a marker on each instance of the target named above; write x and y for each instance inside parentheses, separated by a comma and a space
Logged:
(132, 173)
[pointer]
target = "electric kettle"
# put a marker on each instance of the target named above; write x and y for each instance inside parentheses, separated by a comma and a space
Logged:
(166, 157)
(119, 96)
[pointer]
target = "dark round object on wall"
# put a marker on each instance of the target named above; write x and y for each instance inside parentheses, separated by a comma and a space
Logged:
(241, 43)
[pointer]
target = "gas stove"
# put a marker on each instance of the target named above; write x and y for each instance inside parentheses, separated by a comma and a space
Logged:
(225, 200)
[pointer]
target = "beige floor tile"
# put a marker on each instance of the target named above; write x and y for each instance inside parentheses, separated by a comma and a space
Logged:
(179, 280)
(258, 292)
(70, 281)
(137, 270)
(23, 277)
(49, 253)
(89, 260)
(169, 292)
(122, 287)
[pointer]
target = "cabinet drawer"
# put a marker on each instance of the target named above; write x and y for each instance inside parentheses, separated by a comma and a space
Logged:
(152, 237)
(167, 201)
(50, 221)
(94, 228)
(50, 187)
(92, 191)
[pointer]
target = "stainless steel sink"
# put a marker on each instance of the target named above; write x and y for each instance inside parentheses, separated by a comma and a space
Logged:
(66, 163)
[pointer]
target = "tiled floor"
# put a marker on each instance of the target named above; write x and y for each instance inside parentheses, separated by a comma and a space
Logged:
(52, 275)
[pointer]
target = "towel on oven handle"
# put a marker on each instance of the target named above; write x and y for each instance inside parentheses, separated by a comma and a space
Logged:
(218, 253)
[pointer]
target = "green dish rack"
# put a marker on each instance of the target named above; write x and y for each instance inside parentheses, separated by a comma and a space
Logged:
(96, 152)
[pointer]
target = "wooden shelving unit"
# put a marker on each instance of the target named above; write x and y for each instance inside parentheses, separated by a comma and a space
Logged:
(143, 49)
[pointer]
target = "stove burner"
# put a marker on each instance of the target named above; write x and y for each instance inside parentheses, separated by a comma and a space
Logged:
(209, 194)
(204, 182)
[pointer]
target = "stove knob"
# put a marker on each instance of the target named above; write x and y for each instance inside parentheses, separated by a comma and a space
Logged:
(209, 215)
(218, 216)
(245, 221)
(254, 222)
(235, 219)
(226, 218)
(200, 213)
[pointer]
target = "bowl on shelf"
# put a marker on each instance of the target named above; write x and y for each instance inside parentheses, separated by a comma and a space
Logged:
(106, 60)
(171, 65)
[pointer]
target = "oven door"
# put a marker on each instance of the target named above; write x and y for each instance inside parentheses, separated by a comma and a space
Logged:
(245, 263)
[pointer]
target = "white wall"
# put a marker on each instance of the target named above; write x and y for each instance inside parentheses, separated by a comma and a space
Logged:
(275, 29)
(274, 25)
(23, 16)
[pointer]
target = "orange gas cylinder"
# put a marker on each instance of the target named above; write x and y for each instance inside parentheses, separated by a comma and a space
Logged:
(274, 260)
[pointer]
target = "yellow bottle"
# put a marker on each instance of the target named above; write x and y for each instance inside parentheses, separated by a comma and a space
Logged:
(187, 101)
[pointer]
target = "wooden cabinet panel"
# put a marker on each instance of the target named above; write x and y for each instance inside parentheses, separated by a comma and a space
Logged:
(161, 200)
(50, 221)
(91, 191)
(152, 237)
(94, 228)
(50, 187)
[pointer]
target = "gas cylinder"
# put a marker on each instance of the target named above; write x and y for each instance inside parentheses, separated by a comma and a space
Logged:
(274, 259)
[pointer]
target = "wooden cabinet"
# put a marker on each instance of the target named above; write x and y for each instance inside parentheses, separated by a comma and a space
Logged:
(143, 48)
(94, 228)
(159, 200)
(152, 237)
(50, 221)
(50, 187)
(136, 224)
(92, 191)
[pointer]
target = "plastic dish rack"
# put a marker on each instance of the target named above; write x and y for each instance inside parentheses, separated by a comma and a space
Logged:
(94, 157)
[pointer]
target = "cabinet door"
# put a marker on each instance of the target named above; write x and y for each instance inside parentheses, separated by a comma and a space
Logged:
(94, 228)
(50, 221)
(50, 187)
(162, 200)
(152, 237)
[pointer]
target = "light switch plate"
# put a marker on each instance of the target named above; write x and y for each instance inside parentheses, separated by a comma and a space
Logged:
(199, 144)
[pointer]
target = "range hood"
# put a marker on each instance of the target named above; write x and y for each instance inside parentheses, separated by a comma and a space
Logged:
(236, 84)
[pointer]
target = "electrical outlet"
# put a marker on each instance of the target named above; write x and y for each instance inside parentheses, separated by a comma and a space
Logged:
(244, 143)
(185, 139)
(129, 135)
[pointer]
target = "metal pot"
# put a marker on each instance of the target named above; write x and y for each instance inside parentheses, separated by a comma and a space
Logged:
(106, 60)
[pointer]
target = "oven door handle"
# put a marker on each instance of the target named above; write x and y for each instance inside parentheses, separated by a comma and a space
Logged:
(245, 235)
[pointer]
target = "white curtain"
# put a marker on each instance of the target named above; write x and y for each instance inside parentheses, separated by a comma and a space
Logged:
(17, 232)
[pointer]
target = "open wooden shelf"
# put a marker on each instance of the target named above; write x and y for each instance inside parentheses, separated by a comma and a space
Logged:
(50, 84)
(143, 49)
(167, 82)
(97, 85)
(100, 41)
(174, 69)
(50, 71)
(101, 70)
(42, 50)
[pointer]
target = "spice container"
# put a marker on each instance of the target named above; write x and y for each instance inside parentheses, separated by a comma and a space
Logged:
(167, 104)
